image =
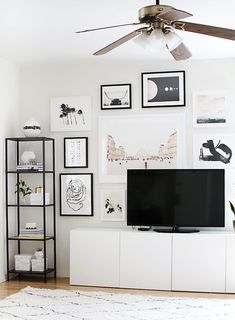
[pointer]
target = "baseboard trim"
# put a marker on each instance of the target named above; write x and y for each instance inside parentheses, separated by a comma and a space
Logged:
(2, 278)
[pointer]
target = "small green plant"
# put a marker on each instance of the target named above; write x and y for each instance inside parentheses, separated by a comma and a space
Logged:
(22, 188)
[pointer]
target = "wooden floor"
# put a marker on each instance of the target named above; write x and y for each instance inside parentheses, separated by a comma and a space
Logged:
(9, 287)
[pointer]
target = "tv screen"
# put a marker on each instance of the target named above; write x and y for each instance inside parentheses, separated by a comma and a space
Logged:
(175, 197)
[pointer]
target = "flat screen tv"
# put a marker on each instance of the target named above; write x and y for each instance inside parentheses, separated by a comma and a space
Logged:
(175, 198)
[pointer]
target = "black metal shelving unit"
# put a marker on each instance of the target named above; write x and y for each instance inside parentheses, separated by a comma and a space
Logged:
(46, 174)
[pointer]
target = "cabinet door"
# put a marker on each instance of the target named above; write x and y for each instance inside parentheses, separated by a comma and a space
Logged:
(198, 262)
(145, 260)
(230, 263)
(94, 258)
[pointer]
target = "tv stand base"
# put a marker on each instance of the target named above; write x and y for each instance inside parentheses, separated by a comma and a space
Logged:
(176, 229)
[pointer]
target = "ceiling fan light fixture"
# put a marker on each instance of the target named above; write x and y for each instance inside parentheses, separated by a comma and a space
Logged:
(141, 40)
(172, 40)
(158, 40)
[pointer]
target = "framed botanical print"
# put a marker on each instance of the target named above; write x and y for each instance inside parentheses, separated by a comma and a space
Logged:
(76, 152)
(71, 113)
(113, 205)
(76, 194)
(163, 89)
(115, 96)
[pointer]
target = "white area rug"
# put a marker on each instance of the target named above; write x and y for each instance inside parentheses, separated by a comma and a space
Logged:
(41, 304)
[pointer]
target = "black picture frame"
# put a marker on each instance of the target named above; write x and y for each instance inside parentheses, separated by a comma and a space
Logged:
(115, 96)
(76, 194)
(163, 89)
(76, 152)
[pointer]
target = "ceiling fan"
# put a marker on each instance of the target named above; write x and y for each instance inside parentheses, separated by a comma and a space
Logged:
(164, 19)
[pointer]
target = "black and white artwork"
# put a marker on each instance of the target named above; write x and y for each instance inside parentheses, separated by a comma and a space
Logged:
(76, 194)
(115, 96)
(71, 113)
(214, 151)
(210, 109)
(76, 152)
(113, 205)
(163, 89)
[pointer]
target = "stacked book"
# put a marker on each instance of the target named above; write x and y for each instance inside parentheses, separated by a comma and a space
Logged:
(31, 233)
(38, 166)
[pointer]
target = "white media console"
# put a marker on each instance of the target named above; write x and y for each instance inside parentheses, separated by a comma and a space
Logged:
(203, 261)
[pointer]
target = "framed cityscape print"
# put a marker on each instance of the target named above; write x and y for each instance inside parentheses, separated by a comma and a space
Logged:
(140, 142)
(113, 206)
(210, 109)
(76, 194)
(163, 89)
(76, 152)
(71, 113)
(115, 96)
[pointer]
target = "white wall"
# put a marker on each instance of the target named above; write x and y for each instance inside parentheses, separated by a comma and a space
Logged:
(9, 102)
(40, 82)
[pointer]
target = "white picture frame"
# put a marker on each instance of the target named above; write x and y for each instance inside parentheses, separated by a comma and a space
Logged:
(140, 142)
(210, 109)
(70, 113)
(213, 151)
(113, 204)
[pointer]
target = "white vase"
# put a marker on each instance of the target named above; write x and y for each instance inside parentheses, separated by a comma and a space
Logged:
(32, 128)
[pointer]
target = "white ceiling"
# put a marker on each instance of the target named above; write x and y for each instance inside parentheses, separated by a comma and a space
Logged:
(33, 31)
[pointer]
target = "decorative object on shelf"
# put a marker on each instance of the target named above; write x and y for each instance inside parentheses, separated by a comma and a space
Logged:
(28, 157)
(37, 198)
(140, 142)
(32, 128)
(38, 260)
(213, 151)
(39, 253)
(113, 205)
(23, 190)
(71, 113)
(31, 225)
(163, 89)
(233, 210)
(39, 189)
(210, 109)
(31, 233)
(23, 262)
(115, 96)
(76, 194)
(76, 152)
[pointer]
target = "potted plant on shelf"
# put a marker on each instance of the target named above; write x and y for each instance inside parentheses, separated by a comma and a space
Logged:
(232, 207)
(23, 190)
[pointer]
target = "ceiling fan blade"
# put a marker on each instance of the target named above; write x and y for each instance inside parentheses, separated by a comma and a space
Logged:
(120, 41)
(205, 29)
(181, 52)
(110, 27)
(174, 14)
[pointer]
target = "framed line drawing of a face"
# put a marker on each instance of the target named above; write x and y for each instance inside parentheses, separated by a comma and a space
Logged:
(76, 194)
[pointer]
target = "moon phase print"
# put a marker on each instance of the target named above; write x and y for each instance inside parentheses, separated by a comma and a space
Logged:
(163, 89)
